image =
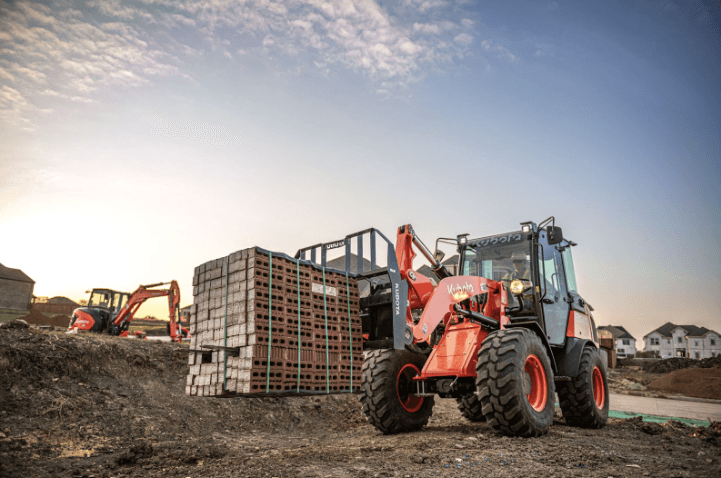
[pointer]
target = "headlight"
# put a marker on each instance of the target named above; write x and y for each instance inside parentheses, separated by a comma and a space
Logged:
(519, 286)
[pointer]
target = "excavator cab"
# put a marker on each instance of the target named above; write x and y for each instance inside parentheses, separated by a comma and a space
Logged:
(110, 300)
(103, 306)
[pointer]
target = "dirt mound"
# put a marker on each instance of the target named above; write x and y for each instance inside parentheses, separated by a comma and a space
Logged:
(36, 317)
(92, 394)
(91, 405)
(59, 321)
(678, 363)
(694, 382)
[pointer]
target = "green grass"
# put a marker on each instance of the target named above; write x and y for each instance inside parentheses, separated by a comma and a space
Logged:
(5, 315)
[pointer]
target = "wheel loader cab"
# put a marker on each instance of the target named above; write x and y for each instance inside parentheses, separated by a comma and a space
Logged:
(545, 270)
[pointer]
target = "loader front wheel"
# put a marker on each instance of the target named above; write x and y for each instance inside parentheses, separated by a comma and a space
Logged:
(470, 407)
(515, 383)
(584, 400)
(387, 391)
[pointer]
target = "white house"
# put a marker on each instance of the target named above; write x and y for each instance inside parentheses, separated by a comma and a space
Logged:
(671, 340)
(625, 343)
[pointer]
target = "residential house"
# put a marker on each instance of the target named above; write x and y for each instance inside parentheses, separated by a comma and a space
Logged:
(55, 305)
(625, 342)
(671, 340)
(16, 289)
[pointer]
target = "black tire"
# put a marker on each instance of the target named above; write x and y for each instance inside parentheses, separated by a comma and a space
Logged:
(584, 400)
(385, 391)
(515, 383)
(470, 407)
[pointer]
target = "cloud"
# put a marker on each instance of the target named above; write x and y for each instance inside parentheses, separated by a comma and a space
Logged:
(15, 109)
(489, 46)
(56, 49)
(463, 39)
(79, 49)
(425, 5)
(78, 99)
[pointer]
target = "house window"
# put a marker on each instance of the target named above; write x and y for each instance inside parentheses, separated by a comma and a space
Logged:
(668, 341)
(654, 341)
(713, 341)
(626, 342)
(680, 340)
(697, 355)
(620, 351)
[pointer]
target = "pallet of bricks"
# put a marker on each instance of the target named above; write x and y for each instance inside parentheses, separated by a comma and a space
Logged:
(255, 304)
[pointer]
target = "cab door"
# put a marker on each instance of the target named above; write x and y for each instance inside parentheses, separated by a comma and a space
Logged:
(554, 292)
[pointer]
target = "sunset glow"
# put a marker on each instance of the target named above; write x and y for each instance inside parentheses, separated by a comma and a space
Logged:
(141, 139)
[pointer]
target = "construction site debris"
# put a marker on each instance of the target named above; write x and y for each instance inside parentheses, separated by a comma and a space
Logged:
(692, 382)
(35, 317)
(262, 322)
(14, 324)
(629, 385)
(678, 363)
(711, 433)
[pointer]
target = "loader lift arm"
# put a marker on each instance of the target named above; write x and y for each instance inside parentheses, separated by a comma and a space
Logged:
(420, 287)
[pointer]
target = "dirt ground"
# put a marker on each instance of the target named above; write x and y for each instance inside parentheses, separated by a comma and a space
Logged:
(696, 382)
(702, 379)
(98, 406)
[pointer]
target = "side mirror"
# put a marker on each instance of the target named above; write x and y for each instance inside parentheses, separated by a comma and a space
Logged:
(439, 255)
(555, 235)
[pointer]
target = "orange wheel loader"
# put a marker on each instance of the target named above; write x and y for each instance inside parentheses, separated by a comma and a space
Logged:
(502, 337)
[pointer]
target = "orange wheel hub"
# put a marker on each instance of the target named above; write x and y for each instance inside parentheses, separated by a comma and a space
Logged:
(535, 384)
(405, 388)
(599, 391)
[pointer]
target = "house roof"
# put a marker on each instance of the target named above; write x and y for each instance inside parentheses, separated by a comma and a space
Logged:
(14, 274)
(61, 300)
(667, 329)
(617, 331)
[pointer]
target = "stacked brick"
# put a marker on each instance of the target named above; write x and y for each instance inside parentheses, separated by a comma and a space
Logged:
(306, 319)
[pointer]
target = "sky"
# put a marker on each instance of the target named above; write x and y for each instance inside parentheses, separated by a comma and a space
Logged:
(142, 138)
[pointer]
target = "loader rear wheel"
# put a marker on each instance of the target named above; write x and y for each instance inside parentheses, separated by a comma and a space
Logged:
(470, 407)
(515, 383)
(584, 400)
(387, 391)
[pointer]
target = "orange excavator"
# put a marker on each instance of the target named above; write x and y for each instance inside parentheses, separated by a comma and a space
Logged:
(109, 311)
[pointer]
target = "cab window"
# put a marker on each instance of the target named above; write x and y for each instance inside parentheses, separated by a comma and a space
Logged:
(496, 261)
(568, 268)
